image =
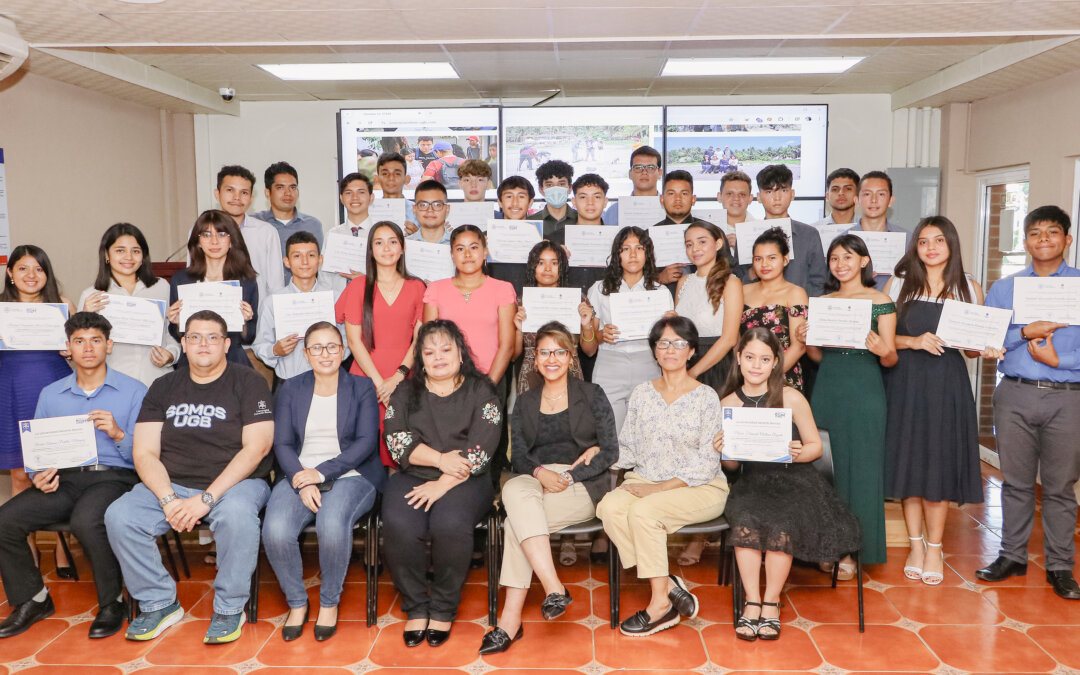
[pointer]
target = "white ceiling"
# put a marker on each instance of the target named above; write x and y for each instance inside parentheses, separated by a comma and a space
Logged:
(525, 49)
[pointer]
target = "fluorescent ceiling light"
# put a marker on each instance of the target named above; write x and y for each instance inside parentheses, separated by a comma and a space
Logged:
(764, 66)
(361, 71)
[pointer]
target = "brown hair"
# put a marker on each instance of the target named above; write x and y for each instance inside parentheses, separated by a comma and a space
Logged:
(237, 260)
(912, 269)
(775, 384)
(721, 269)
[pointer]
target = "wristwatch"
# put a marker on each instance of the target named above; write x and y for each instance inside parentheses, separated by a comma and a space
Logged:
(208, 499)
(569, 479)
(403, 369)
(172, 497)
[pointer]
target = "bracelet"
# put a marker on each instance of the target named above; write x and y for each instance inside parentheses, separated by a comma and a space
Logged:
(438, 464)
(536, 471)
(569, 479)
(590, 339)
(1022, 336)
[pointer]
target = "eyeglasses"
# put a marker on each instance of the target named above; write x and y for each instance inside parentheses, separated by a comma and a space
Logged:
(210, 234)
(673, 344)
(425, 206)
(559, 353)
(211, 339)
(331, 349)
(642, 168)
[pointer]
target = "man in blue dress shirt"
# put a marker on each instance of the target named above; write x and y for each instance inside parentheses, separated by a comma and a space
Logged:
(1036, 417)
(79, 495)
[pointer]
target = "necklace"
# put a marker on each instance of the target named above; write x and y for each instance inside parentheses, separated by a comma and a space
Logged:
(466, 292)
(756, 400)
(555, 398)
(435, 390)
(391, 294)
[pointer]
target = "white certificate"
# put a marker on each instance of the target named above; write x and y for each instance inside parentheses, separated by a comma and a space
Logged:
(669, 245)
(223, 297)
(710, 212)
(643, 212)
(33, 325)
(388, 209)
(509, 241)
(838, 322)
(747, 232)
(57, 442)
(345, 253)
(295, 312)
(964, 325)
(135, 321)
(590, 245)
(830, 231)
(428, 261)
(635, 313)
(757, 434)
(886, 248)
(470, 213)
(551, 304)
(1054, 299)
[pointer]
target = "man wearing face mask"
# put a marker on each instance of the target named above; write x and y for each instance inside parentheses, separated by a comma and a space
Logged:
(554, 178)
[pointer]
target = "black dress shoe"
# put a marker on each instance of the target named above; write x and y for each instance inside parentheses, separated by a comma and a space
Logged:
(67, 572)
(1064, 584)
(413, 637)
(1001, 569)
(109, 620)
(555, 604)
(323, 633)
(685, 602)
(436, 637)
(290, 633)
(498, 640)
(640, 625)
(26, 615)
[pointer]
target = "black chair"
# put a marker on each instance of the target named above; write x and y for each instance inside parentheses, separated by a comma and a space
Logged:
(824, 465)
(62, 530)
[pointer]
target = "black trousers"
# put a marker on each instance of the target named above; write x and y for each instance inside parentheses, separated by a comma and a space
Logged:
(80, 500)
(449, 525)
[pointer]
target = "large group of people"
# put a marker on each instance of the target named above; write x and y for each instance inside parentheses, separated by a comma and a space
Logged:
(435, 395)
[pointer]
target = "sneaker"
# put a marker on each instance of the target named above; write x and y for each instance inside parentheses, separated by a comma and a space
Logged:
(224, 628)
(149, 625)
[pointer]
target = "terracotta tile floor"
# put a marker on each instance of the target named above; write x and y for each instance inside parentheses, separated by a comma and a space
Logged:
(962, 626)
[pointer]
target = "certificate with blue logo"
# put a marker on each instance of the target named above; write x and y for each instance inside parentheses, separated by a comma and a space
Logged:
(57, 442)
(757, 434)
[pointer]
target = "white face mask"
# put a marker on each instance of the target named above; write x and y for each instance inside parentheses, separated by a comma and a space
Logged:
(556, 196)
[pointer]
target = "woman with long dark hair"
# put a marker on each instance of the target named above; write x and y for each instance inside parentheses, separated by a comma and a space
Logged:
(621, 365)
(124, 268)
(442, 428)
(931, 432)
(382, 310)
(217, 252)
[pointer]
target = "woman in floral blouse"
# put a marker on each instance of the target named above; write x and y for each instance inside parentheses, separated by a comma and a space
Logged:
(442, 428)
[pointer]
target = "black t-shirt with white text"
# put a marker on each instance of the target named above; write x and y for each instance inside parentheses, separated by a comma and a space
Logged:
(204, 423)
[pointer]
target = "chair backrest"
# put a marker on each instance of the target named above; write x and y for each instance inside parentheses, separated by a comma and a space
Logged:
(824, 464)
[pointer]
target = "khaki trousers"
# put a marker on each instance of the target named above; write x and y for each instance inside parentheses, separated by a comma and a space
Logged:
(530, 512)
(639, 526)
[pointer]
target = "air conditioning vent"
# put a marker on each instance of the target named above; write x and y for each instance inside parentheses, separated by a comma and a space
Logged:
(13, 49)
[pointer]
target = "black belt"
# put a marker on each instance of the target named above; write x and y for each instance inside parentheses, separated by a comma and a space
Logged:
(1045, 384)
(93, 467)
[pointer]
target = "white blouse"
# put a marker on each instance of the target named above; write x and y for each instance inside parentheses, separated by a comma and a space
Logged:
(694, 304)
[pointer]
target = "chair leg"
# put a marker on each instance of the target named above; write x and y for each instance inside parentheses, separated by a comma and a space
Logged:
(858, 575)
(736, 590)
(721, 565)
(67, 551)
(492, 557)
(181, 554)
(170, 561)
(130, 606)
(614, 580)
(253, 595)
(371, 560)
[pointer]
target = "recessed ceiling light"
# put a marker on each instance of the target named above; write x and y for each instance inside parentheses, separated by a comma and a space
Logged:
(764, 66)
(362, 71)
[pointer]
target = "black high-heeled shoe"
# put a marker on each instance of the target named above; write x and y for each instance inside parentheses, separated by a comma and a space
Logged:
(66, 572)
(290, 633)
(323, 632)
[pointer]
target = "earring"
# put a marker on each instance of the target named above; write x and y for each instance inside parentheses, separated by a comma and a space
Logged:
(106, 261)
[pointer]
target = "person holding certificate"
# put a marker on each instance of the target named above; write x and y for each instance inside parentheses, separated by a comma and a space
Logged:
(849, 398)
(785, 510)
(1035, 416)
(325, 442)
(217, 252)
(932, 431)
(674, 478)
(79, 494)
(303, 261)
(382, 310)
(24, 373)
(775, 303)
(124, 269)
(431, 209)
(356, 193)
(622, 364)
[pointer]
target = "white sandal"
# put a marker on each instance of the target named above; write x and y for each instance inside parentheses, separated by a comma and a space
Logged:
(910, 571)
(934, 578)
(567, 553)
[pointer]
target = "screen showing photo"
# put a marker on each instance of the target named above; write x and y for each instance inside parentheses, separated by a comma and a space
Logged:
(709, 141)
(432, 140)
(594, 140)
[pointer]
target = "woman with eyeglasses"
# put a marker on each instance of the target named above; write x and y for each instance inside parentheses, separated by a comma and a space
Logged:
(218, 253)
(382, 310)
(674, 476)
(325, 440)
(564, 440)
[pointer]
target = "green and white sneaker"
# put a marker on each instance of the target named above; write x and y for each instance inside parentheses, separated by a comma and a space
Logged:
(224, 628)
(149, 625)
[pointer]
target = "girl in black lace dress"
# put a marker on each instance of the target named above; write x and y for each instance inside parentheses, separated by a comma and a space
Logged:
(786, 510)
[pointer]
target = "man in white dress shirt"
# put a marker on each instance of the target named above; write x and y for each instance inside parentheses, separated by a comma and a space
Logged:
(356, 194)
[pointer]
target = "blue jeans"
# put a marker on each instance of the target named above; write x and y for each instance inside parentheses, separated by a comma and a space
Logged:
(135, 521)
(286, 517)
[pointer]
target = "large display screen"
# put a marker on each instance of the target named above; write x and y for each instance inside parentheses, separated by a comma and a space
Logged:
(709, 141)
(471, 133)
(593, 139)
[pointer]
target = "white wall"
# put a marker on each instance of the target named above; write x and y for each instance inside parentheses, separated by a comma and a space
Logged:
(304, 133)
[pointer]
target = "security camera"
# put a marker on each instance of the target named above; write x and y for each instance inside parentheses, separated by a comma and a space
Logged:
(227, 93)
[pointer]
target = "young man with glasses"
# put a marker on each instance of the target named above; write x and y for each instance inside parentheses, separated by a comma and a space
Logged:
(283, 191)
(201, 448)
(286, 356)
(645, 165)
(431, 210)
